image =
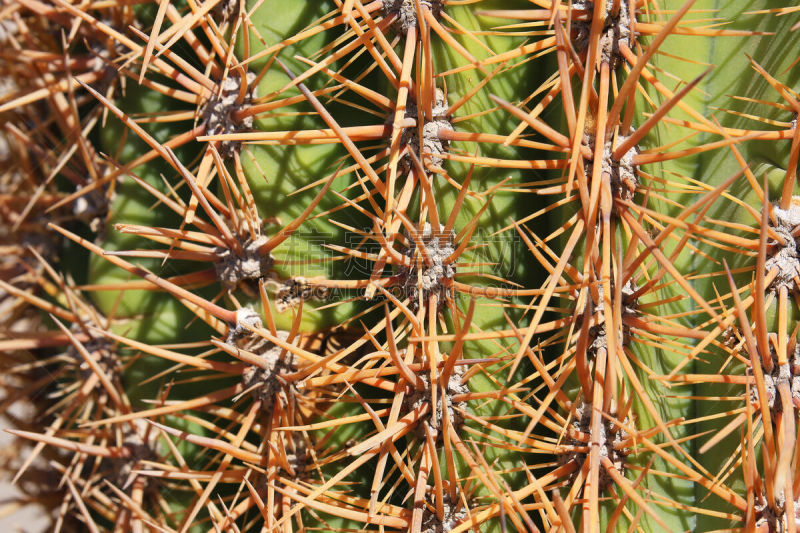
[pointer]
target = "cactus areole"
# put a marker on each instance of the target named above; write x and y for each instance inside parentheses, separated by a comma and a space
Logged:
(424, 266)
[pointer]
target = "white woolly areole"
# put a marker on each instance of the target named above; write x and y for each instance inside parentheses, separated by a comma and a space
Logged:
(139, 450)
(225, 10)
(432, 145)
(610, 436)
(623, 177)
(92, 207)
(788, 373)
(775, 520)
(597, 334)
(297, 290)
(786, 259)
(244, 317)
(217, 113)
(406, 11)
(252, 264)
(262, 380)
(616, 30)
(454, 515)
(417, 397)
(429, 279)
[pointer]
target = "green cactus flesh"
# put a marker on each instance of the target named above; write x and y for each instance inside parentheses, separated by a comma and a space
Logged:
(397, 283)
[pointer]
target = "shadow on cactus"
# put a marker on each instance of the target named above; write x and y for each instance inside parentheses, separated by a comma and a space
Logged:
(404, 265)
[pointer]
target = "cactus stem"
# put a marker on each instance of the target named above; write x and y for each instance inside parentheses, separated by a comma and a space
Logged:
(340, 133)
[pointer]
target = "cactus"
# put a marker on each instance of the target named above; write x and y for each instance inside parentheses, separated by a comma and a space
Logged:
(402, 265)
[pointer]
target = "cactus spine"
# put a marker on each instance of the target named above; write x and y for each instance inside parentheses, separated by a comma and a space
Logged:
(403, 265)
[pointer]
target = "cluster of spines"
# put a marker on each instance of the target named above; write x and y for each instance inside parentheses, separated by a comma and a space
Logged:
(405, 376)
